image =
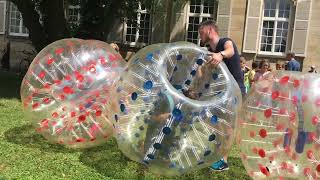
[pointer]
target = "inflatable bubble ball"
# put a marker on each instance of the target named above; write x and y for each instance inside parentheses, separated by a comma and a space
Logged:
(175, 112)
(66, 89)
(279, 135)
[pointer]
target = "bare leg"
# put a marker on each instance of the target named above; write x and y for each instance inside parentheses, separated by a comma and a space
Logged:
(225, 158)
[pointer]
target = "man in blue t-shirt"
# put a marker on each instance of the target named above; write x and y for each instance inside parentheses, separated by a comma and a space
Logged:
(223, 49)
(293, 64)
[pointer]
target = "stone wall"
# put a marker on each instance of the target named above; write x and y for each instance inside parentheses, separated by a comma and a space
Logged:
(313, 45)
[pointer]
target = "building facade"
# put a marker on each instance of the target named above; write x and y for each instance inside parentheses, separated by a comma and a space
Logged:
(260, 28)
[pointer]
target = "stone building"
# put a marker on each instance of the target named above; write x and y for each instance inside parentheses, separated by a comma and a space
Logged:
(261, 28)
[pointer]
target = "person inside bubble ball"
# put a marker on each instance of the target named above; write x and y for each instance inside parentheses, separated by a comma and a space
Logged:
(161, 113)
(222, 49)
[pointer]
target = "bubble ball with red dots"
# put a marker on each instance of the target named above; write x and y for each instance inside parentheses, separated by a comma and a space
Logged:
(279, 135)
(66, 89)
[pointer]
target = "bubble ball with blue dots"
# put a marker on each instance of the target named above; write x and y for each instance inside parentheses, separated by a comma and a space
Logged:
(175, 112)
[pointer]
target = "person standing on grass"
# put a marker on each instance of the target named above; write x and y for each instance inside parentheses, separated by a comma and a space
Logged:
(222, 49)
(293, 64)
(252, 72)
(264, 69)
(245, 71)
(280, 66)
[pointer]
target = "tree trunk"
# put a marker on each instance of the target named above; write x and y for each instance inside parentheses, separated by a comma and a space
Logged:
(5, 61)
(90, 25)
(110, 17)
(31, 21)
(98, 20)
(54, 20)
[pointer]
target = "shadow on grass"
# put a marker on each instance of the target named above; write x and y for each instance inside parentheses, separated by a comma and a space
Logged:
(110, 162)
(10, 85)
(26, 136)
(236, 171)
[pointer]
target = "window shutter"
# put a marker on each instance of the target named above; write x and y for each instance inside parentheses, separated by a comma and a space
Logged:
(300, 30)
(2, 17)
(223, 17)
(253, 25)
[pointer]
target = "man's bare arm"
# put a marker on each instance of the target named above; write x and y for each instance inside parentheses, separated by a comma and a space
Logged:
(228, 50)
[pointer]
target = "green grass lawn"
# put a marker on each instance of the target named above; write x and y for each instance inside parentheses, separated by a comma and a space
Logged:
(25, 154)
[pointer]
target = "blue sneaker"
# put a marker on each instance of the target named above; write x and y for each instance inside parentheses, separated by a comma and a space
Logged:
(220, 165)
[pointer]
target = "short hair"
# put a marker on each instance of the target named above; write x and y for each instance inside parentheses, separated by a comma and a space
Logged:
(209, 23)
(292, 54)
(242, 59)
(254, 65)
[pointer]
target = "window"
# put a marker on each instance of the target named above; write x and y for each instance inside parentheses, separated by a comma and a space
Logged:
(199, 10)
(2, 16)
(74, 12)
(16, 27)
(137, 31)
(275, 26)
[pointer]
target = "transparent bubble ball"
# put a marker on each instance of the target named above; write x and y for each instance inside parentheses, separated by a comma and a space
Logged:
(279, 135)
(66, 89)
(174, 112)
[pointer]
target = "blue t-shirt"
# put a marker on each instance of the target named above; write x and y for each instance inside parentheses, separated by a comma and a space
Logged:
(232, 63)
(293, 65)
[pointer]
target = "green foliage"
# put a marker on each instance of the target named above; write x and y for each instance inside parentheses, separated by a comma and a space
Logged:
(99, 16)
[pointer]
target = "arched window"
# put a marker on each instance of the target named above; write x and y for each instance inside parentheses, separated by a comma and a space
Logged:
(16, 27)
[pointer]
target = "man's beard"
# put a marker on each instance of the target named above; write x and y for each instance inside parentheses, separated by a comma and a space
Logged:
(204, 42)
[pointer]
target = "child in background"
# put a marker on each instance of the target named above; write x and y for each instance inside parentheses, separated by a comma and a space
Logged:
(264, 69)
(245, 71)
(280, 66)
(252, 72)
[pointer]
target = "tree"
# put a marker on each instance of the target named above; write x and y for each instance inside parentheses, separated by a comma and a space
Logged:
(46, 20)
(98, 16)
